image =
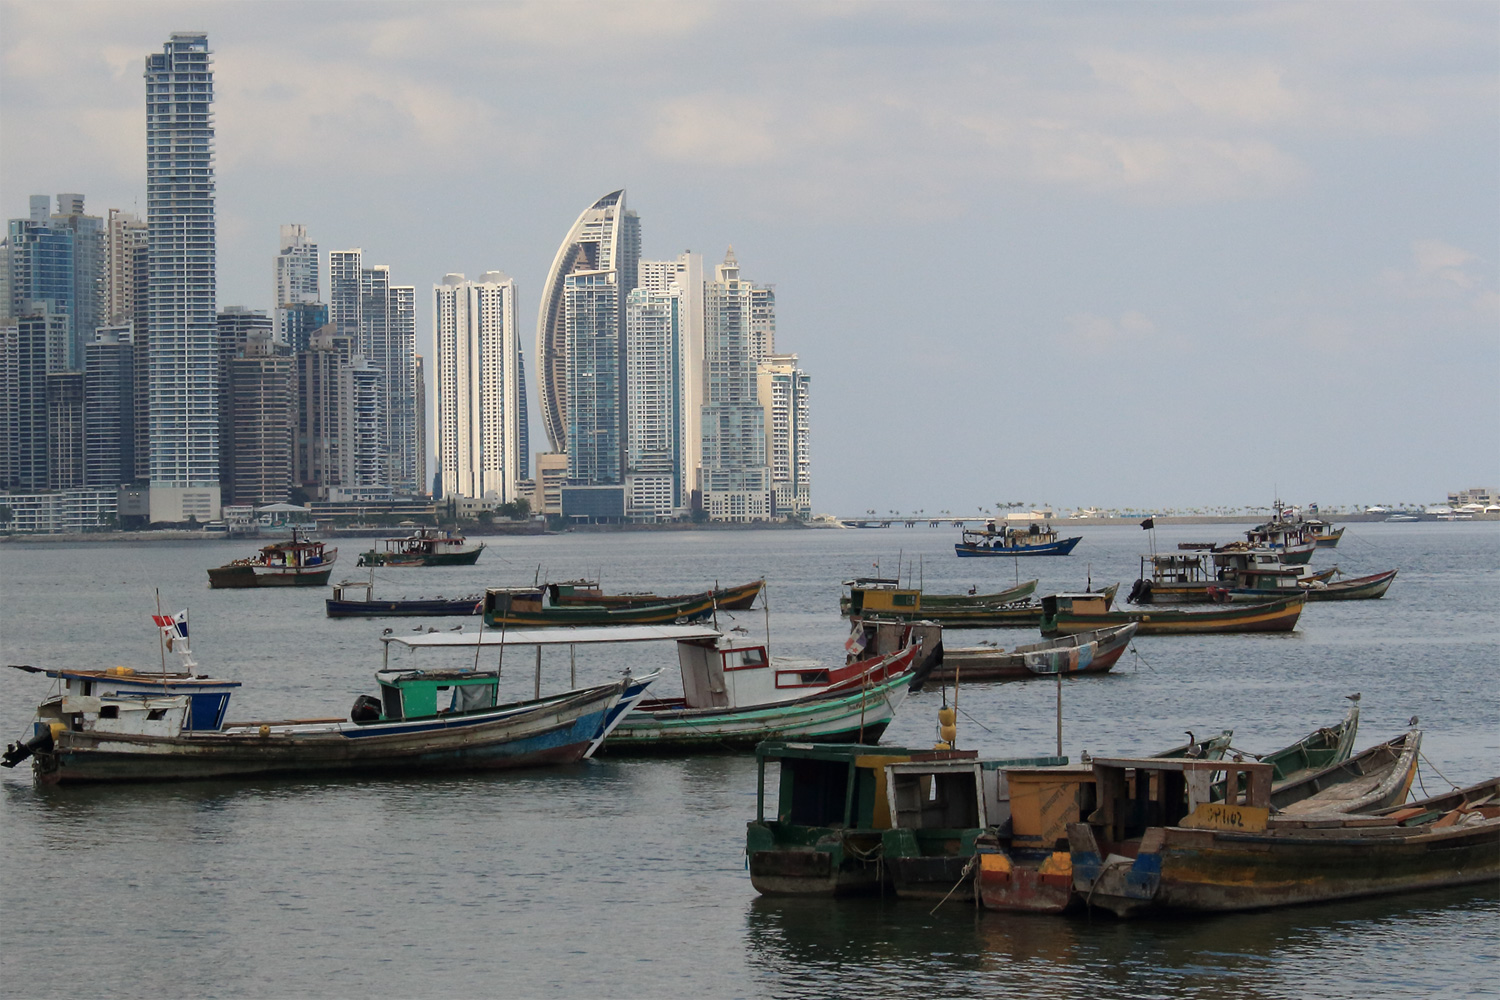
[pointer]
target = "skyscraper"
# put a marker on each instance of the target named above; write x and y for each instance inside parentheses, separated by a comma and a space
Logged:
(734, 477)
(481, 392)
(262, 425)
(784, 391)
(237, 327)
(324, 456)
(125, 237)
(183, 334)
(109, 408)
(654, 472)
(685, 276)
(381, 318)
(297, 280)
(604, 243)
(64, 430)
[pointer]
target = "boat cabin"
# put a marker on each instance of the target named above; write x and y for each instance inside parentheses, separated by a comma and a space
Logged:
(721, 673)
(1005, 536)
(828, 785)
(161, 715)
(884, 598)
(948, 799)
(1175, 567)
(1087, 603)
(206, 699)
(1136, 794)
(420, 694)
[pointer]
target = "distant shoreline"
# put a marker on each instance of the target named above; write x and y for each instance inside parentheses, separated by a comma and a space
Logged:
(1062, 524)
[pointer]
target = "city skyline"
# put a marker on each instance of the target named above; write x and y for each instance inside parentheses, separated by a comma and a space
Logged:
(1126, 199)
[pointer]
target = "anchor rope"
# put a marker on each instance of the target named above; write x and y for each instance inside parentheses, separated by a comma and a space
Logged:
(969, 867)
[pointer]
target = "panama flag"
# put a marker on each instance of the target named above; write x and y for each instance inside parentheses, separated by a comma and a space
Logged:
(855, 644)
(172, 626)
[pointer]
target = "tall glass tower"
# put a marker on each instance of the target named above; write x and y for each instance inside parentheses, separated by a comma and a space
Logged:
(182, 331)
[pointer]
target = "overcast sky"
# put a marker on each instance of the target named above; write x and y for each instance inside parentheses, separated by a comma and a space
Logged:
(1149, 255)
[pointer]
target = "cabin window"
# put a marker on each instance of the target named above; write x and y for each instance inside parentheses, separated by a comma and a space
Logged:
(904, 600)
(156, 714)
(744, 659)
(813, 792)
(390, 696)
(88, 688)
(471, 697)
(109, 712)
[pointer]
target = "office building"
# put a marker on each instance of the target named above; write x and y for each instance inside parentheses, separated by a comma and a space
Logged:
(109, 429)
(480, 387)
(262, 426)
(734, 478)
(126, 249)
(183, 322)
(36, 345)
(654, 379)
(783, 392)
(324, 449)
(297, 284)
(381, 319)
(236, 326)
(64, 430)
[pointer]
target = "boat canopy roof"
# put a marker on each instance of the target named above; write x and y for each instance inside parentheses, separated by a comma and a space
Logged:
(576, 636)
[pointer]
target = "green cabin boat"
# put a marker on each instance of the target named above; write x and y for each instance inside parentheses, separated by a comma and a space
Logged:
(831, 815)
(531, 607)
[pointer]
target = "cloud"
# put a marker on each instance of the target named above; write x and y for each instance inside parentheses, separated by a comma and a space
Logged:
(1092, 333)
(1442, 272)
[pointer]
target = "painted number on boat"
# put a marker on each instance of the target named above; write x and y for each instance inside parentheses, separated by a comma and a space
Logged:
(1219, 816)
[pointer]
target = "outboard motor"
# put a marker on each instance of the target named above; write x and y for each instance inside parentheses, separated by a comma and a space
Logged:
(367, 708)
(924, 669)
(17, 752)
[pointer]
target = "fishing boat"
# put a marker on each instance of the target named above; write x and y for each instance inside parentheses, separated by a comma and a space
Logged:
(1084, 653)
(295, 563)
(1372, 779)
(531, 607)
(1019, 592)
(345, 604)
(831, 813)
(1156, 843)
(907, 604)
(1324, 534)
(1259, 584)
(424, 547)
(1324, 747)
(735, 694)
(1066, 614)
(1033, 540)
(1210, 577)
(422, 722)
(587, 592)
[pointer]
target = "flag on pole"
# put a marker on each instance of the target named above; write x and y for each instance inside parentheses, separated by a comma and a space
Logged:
(172, 626)
(1148, 523)
(855, 644)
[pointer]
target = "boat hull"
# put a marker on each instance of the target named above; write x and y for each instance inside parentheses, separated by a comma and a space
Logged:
(1061, 547)
(694, 610)
(1274, 616)
(1364, 588)
(739, 598)
(858, 716)
(390, 559)
(1096, 654)
(1198, 871)
(549, 731)
(239, 577)
(830, 863)
(400, 609)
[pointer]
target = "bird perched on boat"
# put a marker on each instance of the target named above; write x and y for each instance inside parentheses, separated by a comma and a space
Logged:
(432, 628)
(456, 628)
(385, 631)
(742, 630)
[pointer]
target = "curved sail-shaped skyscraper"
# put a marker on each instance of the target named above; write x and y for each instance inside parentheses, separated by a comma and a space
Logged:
(601, 253)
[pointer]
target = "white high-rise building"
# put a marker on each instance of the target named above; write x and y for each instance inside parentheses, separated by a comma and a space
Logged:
(297, 277)
(734, 477)
(381, 319)
(183, 324)
(686, 274)
(481, 393)
(784, 397)
(654, 460)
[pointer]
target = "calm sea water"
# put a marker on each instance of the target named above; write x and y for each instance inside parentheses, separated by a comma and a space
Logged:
(626, 878)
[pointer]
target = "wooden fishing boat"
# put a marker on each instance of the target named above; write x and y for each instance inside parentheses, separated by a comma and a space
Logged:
(904, 604)
(1019, 592)
(831, 813)
(1067, 614)
(734, 694)
(586, 592)
(1324, 534)
(297, 563)
(1157, 844)
(735, 697)
(1322, 748)
(424, 547)
(1084, 653)
(529, 607)
(1359, 588)
(1033, 540)
(343, 604)
(422, 722)
(1372, 779)
(1210, 577)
